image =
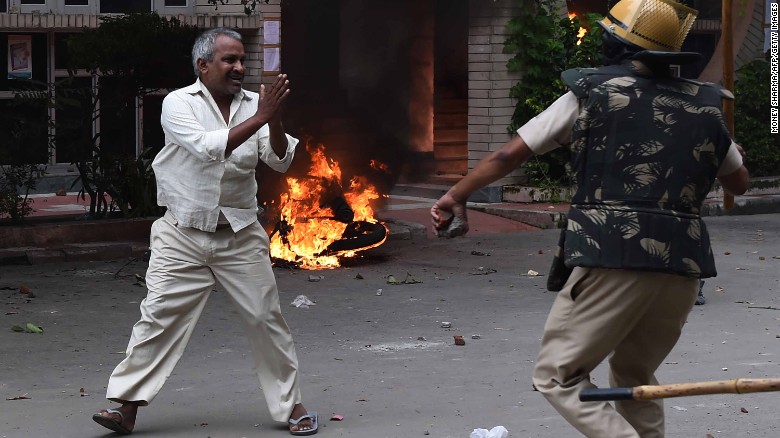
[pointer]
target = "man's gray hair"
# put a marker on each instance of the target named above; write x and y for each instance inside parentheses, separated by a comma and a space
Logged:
(205, 44)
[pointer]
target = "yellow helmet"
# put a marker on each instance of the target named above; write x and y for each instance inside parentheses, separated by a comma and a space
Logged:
(659, 25)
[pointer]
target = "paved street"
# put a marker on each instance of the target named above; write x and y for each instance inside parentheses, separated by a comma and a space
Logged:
(384, 362)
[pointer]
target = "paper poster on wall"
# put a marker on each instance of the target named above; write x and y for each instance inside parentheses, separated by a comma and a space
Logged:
(19, 57)
(271, 61)
(271, 32)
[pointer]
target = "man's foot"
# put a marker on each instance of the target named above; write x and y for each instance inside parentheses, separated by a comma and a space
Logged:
(121, 420)
(700, 300)
(302, 422)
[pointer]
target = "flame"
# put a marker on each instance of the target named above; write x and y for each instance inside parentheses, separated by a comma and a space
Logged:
(376, 165)
(581, 33)
(311, 227)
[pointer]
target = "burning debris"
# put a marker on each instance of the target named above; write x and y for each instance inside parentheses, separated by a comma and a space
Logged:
(320, 221)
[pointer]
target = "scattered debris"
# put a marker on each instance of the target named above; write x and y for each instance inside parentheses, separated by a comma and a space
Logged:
(531, 273)
(29, 328)
(679, 408)
(302, 301)
(446, 324)
(358, 276)
(379, 292)
(480, 253)
(26, 290)
(455, 227)
(336, 417)
(743, 410)
(19, 397)
(483, 271)
(315, 278)
(421, 338)
(459, 340)
(139, 281)
(83, 393)
(496, 432)
(476, 337)
(408, 280)
(724, 369)
(763, 307)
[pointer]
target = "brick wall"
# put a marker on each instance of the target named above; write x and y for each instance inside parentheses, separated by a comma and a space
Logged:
(490, 107)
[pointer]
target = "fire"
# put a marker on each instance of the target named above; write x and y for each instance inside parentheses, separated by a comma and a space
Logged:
(581, 33)
(379, 166)
(308, 224)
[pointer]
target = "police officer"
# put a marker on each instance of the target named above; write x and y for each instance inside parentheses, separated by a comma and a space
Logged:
(645, 148)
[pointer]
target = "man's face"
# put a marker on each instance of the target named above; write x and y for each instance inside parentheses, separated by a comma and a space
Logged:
(225, 73)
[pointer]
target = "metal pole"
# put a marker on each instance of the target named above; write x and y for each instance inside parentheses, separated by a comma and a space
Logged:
(727, 33)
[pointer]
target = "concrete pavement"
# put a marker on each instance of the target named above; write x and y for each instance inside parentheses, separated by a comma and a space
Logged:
(384, 362)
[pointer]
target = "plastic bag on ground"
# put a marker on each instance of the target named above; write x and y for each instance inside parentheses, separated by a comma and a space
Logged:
(302, 301)
(496, 432)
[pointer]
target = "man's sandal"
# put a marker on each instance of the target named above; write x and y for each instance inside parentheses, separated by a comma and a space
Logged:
(110, 423)
(309, 416)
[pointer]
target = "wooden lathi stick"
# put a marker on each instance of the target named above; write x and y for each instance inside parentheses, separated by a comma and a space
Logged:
(652, 392)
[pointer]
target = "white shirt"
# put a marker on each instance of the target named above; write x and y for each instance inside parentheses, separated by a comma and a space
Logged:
(552, 129)
(194, 180)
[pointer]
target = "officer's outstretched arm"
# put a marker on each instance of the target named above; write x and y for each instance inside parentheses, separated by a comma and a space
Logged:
(736, 182)
(493, 167)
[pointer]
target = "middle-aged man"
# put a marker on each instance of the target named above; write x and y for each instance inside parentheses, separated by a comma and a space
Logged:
(645, 150)
(215, 133)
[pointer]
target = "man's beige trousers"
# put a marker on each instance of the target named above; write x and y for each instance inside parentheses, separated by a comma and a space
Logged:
(635, 316)
(185, 265)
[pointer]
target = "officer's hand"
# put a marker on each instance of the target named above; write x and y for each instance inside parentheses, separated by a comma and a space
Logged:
(443, 211)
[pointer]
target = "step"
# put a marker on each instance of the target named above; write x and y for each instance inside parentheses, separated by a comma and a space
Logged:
(446, 178)
(451, 106)
(420, 190)
(455, 166)
(450, 135)
(450, 150)
(451, 120)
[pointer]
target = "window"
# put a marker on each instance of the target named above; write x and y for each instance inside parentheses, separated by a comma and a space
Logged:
(76, 2)
(124, 6)
(33, 2)
(3, 6)
(175, 3)
(73, 121)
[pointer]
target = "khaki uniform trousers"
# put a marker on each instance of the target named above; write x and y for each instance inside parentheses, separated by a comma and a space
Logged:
(637, 317)
(185, 265)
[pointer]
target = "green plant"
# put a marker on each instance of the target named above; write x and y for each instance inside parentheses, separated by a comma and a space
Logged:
(21, 166)
(16, 182)
(132, 56)
(751, 119)
(545, 44)
(249, 5)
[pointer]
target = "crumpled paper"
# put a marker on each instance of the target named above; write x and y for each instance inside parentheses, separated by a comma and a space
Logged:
(302, 301)
(496, 432)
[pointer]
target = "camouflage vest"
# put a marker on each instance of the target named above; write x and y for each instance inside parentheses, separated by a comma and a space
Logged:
(645, 152)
